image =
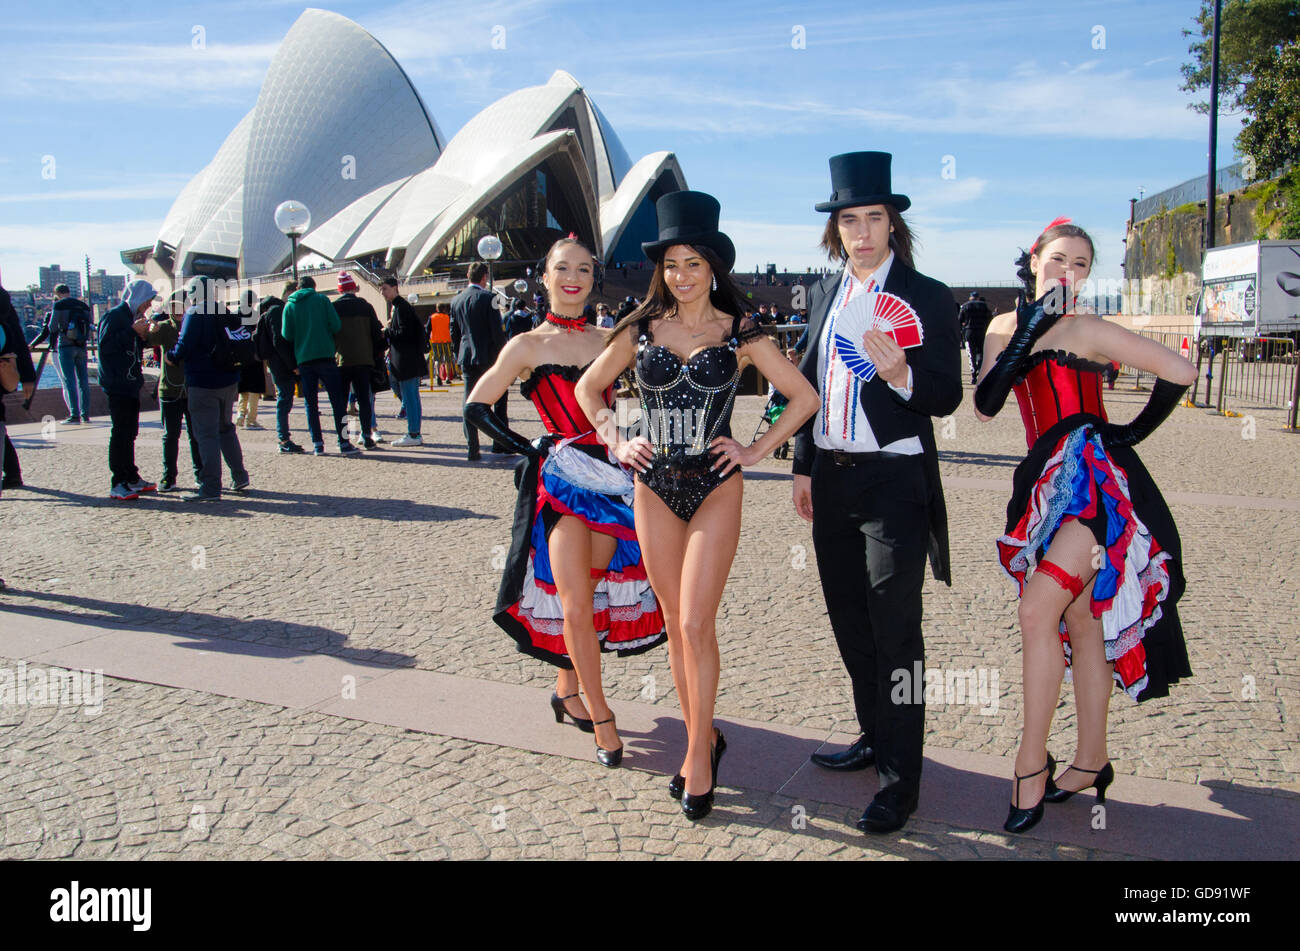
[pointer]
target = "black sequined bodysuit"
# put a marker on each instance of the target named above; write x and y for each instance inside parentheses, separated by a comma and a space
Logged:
(685, 405)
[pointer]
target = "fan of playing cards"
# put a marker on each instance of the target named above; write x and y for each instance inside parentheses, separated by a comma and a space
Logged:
(874, 311)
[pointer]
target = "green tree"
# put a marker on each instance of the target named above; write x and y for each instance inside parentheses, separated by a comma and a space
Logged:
(1271, 133)
(1252, 35)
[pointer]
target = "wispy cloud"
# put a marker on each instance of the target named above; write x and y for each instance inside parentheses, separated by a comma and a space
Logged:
(26, 247)
(1083, 101)
(162, 187)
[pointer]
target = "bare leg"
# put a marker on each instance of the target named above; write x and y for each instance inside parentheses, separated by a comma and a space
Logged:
(662, 536)
(573, 546)
(711, 540)
(566, 685)
(1041, 606)
(1093, 683)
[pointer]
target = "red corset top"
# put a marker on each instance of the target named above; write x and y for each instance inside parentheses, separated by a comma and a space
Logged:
(1056, 385)
(550, 387)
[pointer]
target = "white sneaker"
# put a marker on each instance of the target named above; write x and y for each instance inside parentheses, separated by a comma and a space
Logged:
(409, 441)
(376, 435)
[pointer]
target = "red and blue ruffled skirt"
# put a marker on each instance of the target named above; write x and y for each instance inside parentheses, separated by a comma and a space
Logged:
(625, 613)
(1070, 474)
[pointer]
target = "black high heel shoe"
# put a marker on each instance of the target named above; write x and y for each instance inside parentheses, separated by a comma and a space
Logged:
(561, 711)
(604, 757)
(1022, 820)
(677, 785)
(697, 807)
(1105, 776)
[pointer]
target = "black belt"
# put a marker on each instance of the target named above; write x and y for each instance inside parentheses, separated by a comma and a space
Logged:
(846, 459)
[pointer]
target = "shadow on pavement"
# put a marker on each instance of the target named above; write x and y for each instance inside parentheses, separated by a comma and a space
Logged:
(216, 632)
(978, 459)
(269, 502)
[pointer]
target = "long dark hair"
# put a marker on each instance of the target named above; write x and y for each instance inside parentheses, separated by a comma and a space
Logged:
(659, 301)
(901, 238)
(1063, 230)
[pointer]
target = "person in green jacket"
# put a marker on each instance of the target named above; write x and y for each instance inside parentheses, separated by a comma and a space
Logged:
(173, 400)
(310, 323)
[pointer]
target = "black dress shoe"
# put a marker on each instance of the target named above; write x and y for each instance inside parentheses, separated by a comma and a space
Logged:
(888, 812)
(858, 756)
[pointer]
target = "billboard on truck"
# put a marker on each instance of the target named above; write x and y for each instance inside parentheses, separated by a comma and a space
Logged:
(1229, 290)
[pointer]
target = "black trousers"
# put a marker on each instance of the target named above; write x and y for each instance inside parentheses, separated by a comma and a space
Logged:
(976, 347)
(357, 380)
(869, 531)
(472, 375)
(173, 412)
(124, 415)
(12, 470)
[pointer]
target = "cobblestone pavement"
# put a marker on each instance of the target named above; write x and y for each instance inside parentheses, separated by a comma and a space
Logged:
(394, 558)
(165, 773)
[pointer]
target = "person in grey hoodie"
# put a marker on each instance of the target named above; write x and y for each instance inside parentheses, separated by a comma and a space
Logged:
(121, 348)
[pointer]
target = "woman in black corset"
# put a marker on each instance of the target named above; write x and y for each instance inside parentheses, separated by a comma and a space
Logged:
(687, 344)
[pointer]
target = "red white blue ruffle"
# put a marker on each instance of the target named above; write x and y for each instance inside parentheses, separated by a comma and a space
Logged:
(1080, 481)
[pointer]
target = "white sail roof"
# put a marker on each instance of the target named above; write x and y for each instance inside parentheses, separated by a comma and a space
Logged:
(339, 127)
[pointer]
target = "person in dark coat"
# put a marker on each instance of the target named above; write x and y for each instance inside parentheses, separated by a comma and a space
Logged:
(15, 343)
(278, 353)
(974, 317)
(173, 399)
(408, 343)
(252, 376)
(68, 330)
(477, 336)
(121, 348)
(866, 474)
(360, 335)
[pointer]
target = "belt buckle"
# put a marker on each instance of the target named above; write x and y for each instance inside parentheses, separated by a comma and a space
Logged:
(842, 459)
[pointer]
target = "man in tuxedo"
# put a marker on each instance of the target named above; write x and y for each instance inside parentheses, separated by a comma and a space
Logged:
(477, 337)
(866, 474)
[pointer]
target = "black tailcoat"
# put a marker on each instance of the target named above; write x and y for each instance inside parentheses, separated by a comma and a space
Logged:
(936, 386)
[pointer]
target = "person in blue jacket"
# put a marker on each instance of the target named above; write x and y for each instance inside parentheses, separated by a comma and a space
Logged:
(212, 390)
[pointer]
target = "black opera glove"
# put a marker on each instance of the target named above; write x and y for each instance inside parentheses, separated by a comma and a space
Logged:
(543, 445)
(1164, 397)
(1032, 321)
(481, 417)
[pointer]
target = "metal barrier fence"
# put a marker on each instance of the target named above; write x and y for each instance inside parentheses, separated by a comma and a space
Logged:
(1252, 372)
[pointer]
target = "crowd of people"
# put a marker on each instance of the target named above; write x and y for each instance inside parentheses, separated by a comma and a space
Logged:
(624, 537)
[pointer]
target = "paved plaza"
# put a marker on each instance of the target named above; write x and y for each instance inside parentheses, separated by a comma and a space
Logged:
(310, 670)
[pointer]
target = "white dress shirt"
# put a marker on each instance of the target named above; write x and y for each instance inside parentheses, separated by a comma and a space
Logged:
(840, 422)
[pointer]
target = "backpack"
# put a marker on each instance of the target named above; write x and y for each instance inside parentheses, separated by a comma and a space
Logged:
(264, 335)
(234, 346)
(78, 327)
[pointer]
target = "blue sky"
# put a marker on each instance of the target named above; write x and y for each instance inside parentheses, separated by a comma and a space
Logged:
(1038, 121)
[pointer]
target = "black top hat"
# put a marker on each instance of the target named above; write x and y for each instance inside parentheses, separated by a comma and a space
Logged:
(690, 218)
(862, 178)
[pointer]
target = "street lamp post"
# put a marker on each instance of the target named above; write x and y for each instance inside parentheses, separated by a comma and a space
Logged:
(489, 249)
(293, 218)
(1212, 185)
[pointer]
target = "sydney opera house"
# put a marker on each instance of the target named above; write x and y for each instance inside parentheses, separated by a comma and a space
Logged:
(339, 127)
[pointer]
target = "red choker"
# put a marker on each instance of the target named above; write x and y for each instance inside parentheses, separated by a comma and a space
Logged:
(568, 323)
